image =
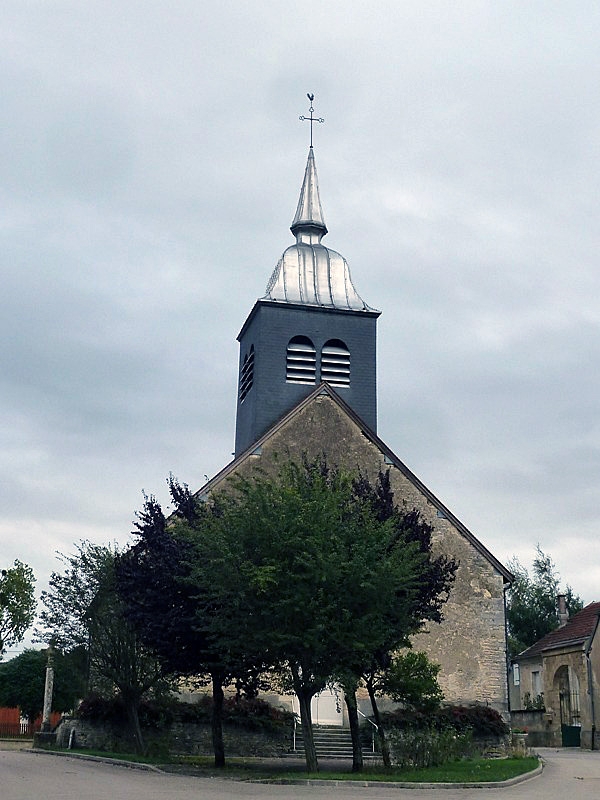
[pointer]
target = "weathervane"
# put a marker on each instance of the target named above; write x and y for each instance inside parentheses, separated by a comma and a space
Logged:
(311, 119)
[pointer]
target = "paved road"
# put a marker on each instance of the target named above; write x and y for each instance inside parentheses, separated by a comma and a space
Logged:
(569, 775)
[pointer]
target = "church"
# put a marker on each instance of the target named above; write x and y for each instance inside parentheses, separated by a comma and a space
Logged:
(308, 384)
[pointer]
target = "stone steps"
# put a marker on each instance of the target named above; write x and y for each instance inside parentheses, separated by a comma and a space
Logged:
(333, 742)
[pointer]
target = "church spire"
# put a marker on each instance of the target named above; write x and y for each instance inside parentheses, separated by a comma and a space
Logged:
(308, 273)
(309, 214)
(308, 225)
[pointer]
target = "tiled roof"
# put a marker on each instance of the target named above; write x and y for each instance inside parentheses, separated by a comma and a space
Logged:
(577, 629)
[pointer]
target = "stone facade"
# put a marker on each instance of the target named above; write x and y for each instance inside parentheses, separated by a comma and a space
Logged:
(470, 643)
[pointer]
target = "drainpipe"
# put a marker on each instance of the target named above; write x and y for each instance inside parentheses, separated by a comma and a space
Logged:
(590, 676)
(506, 655)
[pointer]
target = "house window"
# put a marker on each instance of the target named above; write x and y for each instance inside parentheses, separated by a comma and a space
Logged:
(335, 363)
(247, 374)
(536, 684)
(301, 361)
(516, 675)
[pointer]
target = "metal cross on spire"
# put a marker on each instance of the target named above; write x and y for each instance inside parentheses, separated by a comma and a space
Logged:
(311, 119)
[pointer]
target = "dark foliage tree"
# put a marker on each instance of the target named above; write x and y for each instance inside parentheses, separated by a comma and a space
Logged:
(531, 602)
(17, 604)
(169, 611)
(82, 609)
(22, 681)
(412, 605)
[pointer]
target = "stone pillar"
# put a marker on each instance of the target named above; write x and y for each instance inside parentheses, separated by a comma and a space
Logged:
(45, 737)
(48, 688)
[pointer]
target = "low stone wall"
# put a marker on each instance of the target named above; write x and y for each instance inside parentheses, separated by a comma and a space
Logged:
(539, 728)
(180, 738)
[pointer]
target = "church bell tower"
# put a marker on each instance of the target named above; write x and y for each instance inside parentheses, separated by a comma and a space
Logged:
(310, 327)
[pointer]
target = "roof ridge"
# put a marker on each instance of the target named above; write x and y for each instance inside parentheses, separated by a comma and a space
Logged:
(578, 628)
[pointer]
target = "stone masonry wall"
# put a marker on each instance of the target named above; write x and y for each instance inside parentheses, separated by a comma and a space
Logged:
(180, 738)
(537, 725)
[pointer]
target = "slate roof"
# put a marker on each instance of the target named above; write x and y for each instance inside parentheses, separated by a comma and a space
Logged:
(577, 630)
(390, 457)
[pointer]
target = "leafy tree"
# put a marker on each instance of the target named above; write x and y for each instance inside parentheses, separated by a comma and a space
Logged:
(17, 604)
(531, 602)
(300, 544)
(412, 681)
(82, 609)
(22, 681)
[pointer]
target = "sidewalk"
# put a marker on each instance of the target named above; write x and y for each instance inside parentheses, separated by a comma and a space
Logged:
(16, 744)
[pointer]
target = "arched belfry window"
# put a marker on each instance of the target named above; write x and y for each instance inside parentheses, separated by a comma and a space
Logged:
(300, 361)
(247, 374)
(335, 363)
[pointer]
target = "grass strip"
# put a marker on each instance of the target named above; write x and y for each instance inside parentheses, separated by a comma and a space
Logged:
(465, 771)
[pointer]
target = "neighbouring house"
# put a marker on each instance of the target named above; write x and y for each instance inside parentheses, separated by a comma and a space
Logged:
(307, 385)
(555, 683)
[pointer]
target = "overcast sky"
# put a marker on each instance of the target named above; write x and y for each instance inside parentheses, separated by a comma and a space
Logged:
(151, 160)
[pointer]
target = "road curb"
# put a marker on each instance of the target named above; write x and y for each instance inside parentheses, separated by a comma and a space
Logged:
(117, 762)
(406, 784)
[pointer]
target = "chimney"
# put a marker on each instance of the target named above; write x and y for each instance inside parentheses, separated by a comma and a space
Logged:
(563, 612)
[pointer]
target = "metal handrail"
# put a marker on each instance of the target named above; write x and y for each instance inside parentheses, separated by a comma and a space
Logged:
(370, 721)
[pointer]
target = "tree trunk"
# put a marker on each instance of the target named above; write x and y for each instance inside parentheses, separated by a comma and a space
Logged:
(131, 709)
(385, 752)
(357, 756)
(217, 720)
(305, 696)
(304, 700)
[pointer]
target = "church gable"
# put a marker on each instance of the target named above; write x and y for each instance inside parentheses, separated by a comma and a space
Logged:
(324, 423)
(470, 643)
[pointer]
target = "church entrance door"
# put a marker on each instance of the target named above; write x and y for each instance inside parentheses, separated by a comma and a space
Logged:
(326, 707)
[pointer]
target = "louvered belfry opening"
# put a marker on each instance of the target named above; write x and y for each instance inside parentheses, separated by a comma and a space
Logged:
(247, 374)
(301, 360)
(335, 363)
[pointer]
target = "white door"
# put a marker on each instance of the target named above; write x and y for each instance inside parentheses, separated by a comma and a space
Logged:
(326, 707)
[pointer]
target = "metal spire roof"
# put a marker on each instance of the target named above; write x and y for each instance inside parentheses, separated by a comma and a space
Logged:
(308, 273)
(309, 213)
